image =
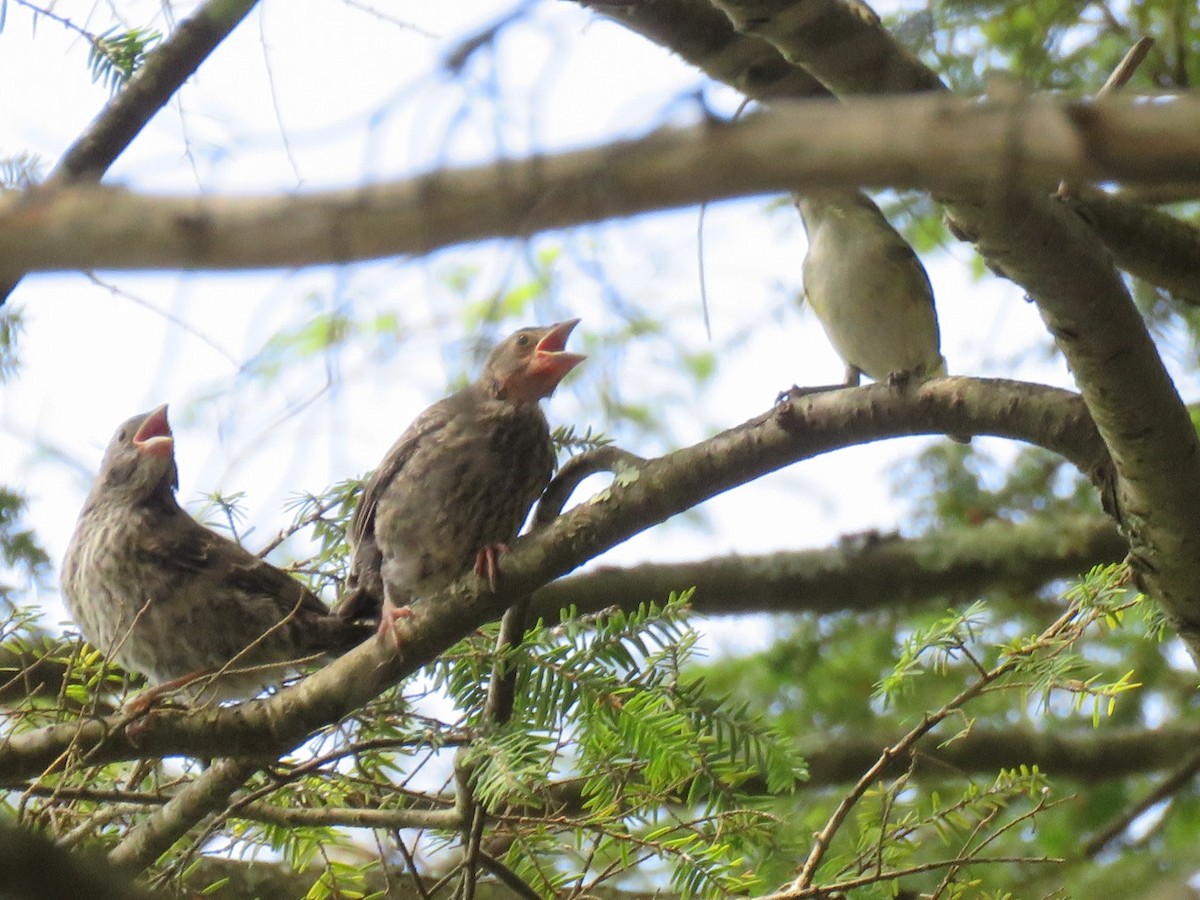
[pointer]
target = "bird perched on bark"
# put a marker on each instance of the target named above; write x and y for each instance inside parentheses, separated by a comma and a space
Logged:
(869, 290)
(455, 488)
(162, 595)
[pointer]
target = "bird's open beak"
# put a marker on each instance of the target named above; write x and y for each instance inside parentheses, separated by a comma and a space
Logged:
(153, 438)
(551, 362)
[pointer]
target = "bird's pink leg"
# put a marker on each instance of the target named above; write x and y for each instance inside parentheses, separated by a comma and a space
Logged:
(389, 618)
(487, 563)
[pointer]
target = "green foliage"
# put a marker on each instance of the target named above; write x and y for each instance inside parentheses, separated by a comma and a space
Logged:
(929, 829)
(512, 304)
(11, 326)
(1057, 45)
(223, 512)
(327, 515)
(117, 54)
(659, 767)
(948, 484)
(321, 333)
(20, 550)
(602, 700)
(569, 439)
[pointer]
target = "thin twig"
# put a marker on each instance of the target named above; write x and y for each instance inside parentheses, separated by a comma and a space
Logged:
(1169, 787)
(824, 837)
(1119, 77)
(837, 888)
(417, 880)
(971, 854)
(1128, 65)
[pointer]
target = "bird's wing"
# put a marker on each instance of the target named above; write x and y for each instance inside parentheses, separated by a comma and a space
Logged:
(428, 423)
(904, 256)
(194, 548)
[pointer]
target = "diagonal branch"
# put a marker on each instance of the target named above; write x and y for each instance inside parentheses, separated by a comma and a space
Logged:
(159, 832)
(164, 72)
(663, 488)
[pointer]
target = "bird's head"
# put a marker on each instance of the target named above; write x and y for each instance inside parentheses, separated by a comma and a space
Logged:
(528, 364)
(140, 459)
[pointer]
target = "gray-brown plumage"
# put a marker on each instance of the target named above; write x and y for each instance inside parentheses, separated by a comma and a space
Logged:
(453, 491)
(869, 290)
(162, 595)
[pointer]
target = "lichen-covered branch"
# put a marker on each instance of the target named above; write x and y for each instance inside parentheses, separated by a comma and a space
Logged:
(934, 142)
(167, 824)
(862, 572)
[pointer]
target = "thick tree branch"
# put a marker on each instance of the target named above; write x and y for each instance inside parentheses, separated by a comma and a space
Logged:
(863, 572)
(934, 142)
(1090, 755)
(159, 832)
(1148, 243)
(705, 37)
(33, 867)
(665, 486)
(1087, 755)
(163, 73)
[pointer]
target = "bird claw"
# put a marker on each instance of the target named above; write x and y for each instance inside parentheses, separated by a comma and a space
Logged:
(795, 392)
(389, 619)
(141, 705)
(487, 563)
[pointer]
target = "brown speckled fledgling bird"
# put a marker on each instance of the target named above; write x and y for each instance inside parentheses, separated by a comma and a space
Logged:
(162, 595)
(453, 491)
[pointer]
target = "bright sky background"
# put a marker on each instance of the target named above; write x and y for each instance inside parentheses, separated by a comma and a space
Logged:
(337, 96)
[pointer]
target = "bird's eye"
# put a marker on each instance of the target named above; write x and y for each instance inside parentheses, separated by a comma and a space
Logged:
(124, 435)
(522, 340)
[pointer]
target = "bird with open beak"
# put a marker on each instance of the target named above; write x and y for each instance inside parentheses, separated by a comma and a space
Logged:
(454, 490)
(160, 594)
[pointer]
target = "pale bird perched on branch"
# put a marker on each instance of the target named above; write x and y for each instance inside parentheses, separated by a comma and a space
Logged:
(162, 595)
(869, 290)
(454, 489)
